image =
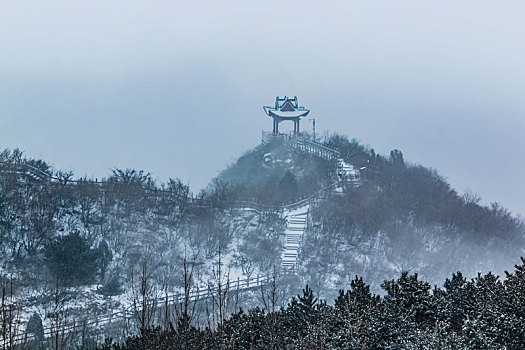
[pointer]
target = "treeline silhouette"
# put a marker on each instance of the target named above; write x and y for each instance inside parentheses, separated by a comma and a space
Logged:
(397, 190)
(481, 313)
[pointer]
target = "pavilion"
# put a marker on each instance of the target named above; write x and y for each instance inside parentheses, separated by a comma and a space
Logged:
(286, 108)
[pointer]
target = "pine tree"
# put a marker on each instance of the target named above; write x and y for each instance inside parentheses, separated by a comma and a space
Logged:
(485, 325)
(406, 308)
(354, 310)
(71, 260)
(301, 312)
(456, 302)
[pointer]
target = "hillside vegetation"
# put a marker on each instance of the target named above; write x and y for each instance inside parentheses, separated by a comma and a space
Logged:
(274, 174)
(88, 240)
(483, 313)
(404, 217)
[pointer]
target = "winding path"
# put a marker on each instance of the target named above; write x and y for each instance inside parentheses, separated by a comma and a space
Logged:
(296, 215)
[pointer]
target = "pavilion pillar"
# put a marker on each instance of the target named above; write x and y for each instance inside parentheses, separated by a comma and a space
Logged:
(296, 126)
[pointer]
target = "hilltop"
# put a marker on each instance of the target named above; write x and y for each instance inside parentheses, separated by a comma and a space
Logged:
(91, 240)
(403, 217)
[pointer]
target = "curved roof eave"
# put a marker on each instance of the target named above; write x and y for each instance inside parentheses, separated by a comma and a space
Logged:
(291, 114)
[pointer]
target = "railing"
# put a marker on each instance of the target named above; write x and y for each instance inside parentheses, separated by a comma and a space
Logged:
(108, 187)
(195, 295)
(296, 142)
(303, 144)
(293, 141)
(313, 147)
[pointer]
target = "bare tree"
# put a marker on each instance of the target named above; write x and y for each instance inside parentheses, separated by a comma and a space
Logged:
(186, 308)
(244, 260)
(144, 298)
(56, 314)
(218, 290)
(9, 316)
(269, 293)
(270, 299)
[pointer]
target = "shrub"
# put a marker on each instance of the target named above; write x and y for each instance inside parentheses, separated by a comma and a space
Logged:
(71, 260)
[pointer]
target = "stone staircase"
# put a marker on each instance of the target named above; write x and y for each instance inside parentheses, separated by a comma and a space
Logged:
(295, 226)
(348, 174)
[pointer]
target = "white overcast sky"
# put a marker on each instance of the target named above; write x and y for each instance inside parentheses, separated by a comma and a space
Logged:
(176, 88)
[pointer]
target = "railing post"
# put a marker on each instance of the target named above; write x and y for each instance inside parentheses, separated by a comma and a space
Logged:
(257, 279)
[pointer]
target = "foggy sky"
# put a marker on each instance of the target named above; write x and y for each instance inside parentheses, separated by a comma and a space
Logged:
(176, 88)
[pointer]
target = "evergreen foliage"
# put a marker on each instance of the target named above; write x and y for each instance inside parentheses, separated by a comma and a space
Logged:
(288, 186)
(71, 259)
(483, 313)
(111, 287)
(274, 174)
(34, 326)
(412, 218)
(82, 232)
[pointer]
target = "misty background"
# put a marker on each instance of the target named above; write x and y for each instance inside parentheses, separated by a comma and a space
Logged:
(176, 88)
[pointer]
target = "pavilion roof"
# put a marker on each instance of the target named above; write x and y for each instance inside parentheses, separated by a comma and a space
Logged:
(286, 107)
